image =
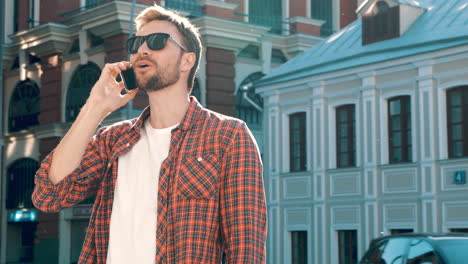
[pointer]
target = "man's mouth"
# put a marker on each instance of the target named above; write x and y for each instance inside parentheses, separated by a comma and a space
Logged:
(142, 66)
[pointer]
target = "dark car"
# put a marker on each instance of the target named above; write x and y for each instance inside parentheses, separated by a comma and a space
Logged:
(418, 248)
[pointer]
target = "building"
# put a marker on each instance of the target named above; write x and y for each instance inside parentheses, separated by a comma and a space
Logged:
(366, 133)
(53, 52)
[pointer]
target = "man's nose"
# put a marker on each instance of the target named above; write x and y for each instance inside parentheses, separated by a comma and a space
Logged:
(144, 49)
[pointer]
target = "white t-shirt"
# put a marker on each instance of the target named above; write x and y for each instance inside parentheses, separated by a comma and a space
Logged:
(134, 210)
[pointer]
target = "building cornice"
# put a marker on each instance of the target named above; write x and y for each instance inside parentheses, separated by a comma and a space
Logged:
(306, 20)
(295, 44)
(106, 20)
(44, 40)
(228, 34)
(381, 67)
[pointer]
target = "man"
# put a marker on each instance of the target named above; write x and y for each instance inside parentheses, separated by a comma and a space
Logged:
(179, 184)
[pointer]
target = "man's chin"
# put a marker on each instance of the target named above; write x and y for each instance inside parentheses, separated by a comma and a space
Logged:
(150, 86)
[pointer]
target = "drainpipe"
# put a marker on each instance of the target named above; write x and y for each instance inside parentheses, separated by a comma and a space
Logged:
(130, 33)
(244, 90)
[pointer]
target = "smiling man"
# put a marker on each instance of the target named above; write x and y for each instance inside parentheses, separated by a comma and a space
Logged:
(178, 184)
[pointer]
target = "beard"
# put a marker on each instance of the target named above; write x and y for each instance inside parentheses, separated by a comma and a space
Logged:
(158, 82)
(161, 79)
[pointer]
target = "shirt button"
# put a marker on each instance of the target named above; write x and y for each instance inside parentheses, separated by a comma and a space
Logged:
(128, 145)
(199, 159)
(109, 165)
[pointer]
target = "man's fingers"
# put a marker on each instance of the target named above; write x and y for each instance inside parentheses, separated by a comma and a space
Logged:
(130, 95)
(113, 69)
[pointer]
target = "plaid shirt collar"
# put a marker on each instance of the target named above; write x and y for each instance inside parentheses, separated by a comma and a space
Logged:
(191, 117)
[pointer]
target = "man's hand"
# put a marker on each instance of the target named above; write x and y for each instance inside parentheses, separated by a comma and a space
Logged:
(106, 95)
(105, 98)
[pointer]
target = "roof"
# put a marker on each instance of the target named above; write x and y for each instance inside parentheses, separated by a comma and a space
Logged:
(415, 3)
(443, 24)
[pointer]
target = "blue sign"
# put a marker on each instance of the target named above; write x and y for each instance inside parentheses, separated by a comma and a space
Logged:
(459, 177)
(22, 216)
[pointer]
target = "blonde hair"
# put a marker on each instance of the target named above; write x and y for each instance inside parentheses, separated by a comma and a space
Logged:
(190, 34)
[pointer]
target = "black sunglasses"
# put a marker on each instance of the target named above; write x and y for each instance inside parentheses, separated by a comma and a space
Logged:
(156, 41)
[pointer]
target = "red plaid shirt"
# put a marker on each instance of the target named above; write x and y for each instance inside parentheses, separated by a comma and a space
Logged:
(211, 196)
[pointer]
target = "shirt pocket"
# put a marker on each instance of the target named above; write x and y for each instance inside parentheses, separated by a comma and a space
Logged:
(199, 177)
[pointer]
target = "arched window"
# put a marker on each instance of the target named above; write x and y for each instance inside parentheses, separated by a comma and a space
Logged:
(20, 183)
(246, 109)
(80, 86)
(24, 106)
(196, 91)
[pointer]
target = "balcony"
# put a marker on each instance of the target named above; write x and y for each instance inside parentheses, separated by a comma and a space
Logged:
(189, 7)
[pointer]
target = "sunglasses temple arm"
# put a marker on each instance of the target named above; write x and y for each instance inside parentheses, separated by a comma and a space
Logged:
(178, 43)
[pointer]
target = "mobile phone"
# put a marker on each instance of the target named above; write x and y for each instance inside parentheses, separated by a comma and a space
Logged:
(129, 79)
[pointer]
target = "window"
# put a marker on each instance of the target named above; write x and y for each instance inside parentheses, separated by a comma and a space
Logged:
(394, 251)
(383, 22)
(20, 183)
(347, 246)
(399, 129)
(299, 247)
(346, 136)
(266, 13)
(457, 122)
(80, 86)
(15, 16)
(24, 106)
(421, 251)
(32, 19)
(400, 231)
(322, 10)
(459, 230)
(374, 254)
(297, 142)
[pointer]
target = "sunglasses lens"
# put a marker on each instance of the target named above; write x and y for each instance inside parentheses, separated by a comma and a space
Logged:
(133, 44)
(154, 41)
(157, 41)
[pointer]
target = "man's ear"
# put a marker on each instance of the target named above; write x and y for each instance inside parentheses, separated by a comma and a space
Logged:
(188, 61)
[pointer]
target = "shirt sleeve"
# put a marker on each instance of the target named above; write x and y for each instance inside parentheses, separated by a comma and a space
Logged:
(74, 188)
(242, 201)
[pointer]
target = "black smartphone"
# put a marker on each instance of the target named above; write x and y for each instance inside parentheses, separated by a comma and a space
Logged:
(129, 79)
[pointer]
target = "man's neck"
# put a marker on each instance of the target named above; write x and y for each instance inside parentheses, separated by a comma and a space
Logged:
(168, 107)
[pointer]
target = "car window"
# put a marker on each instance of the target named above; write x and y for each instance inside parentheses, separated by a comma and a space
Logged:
(421, 252)
(374, 255)
(395, 251)
(453, 250)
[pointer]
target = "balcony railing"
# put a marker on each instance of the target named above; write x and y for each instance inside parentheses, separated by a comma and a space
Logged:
(277, 25)
(88, 4)
(187, 6)
(192, 8)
